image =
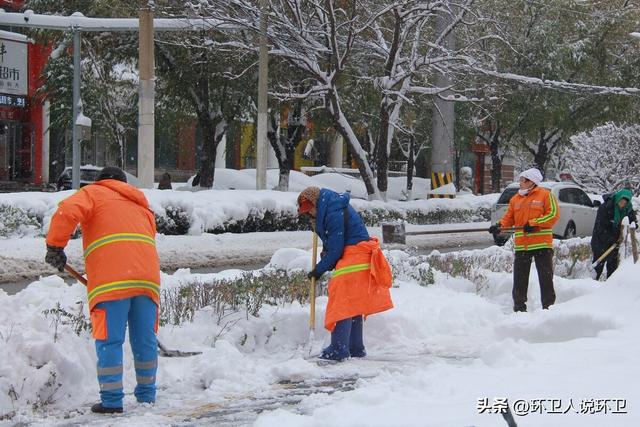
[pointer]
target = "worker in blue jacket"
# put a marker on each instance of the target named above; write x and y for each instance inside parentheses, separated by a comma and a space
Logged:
(356, 258)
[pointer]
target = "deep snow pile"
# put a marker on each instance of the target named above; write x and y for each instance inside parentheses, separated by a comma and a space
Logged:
(442, 347)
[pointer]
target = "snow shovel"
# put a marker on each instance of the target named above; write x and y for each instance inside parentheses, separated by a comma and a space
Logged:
(394, 232)
(312, 288)
(634, 244)
(312, 294)
(606, 253)
(508, 417)
(163, 351)
(624, 224)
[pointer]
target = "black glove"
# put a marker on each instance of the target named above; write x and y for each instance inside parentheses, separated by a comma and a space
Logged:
(494, 229)
(56, 257)
(528, 228)
(313, 274)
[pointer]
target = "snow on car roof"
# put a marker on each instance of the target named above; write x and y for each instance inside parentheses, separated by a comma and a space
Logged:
(548, 184)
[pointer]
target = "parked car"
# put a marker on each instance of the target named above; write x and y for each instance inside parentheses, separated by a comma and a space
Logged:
(577, 210)
(88, 175)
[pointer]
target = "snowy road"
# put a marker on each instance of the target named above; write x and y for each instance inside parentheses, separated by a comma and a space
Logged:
(293, 395)
(22, 260)
(289, 395)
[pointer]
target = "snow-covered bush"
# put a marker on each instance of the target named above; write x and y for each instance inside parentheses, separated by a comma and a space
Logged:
(174, 221)
(16, 222)
(571, 260)
(264, 221)
(248, 292)
(444, 216)
(607, 158)
(179, 213)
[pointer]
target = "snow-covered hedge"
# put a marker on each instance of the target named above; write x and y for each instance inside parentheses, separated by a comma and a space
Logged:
(17, 222)
(571, 260)
(247, 292)
(240, 211)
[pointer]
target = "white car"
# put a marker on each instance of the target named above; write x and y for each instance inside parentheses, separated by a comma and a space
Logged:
(577, 211)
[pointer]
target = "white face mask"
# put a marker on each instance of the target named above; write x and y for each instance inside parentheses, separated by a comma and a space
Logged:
(524, 192)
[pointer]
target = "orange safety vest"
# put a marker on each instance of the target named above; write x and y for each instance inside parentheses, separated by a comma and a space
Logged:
(118, 238)
(359, 284)
(540, 209)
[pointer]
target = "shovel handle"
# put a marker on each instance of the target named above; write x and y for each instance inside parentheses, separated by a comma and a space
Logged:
(164, 351)
(312, 286)
(75, 274)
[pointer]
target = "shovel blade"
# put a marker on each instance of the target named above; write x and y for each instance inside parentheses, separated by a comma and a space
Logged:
(177, 353)
(165, 352)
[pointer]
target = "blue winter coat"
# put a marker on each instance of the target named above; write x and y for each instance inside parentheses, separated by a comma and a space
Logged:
(330, 226)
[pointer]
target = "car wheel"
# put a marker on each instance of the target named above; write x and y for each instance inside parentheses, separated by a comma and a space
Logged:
(570, 231)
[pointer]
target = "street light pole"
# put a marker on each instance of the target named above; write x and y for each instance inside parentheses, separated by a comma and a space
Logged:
(75, 137)
(263, 74)
(146, 88)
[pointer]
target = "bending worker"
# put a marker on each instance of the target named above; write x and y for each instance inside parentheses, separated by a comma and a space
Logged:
(362, 277)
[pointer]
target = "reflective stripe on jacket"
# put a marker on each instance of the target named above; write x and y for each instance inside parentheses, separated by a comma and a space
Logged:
(118, 238)
(540, 209)
(360, 284)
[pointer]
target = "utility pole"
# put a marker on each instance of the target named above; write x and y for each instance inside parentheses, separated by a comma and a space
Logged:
(263, 75)
(75, 137)
(146, 93)
(443, 120)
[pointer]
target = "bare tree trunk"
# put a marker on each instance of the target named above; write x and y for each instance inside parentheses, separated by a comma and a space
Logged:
(541, 157)
(496, 161)
(494, 141)
(547, 143)
(285, 146)
(208, 159)
(456, 163)
(212, 132)
(410, 162)
(341, 124)
(381, 152)
(496, 172)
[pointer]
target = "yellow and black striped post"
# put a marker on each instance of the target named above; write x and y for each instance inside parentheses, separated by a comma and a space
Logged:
(440, 179)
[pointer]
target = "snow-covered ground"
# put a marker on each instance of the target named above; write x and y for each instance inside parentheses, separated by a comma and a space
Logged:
(432, 360)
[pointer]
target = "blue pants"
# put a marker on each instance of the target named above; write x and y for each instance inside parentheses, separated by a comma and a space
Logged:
(346, 340)
(140, 313)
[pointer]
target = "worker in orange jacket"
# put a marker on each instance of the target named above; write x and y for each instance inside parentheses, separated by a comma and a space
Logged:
(123, 272)
(362, 277)
(533, 211)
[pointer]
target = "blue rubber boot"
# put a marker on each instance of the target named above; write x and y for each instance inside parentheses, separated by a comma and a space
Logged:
(339, 348)
(356, 344)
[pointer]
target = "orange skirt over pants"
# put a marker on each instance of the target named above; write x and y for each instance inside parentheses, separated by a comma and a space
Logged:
(360, 284)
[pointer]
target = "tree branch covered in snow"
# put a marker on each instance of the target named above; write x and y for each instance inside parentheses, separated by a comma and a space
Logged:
(606, 158)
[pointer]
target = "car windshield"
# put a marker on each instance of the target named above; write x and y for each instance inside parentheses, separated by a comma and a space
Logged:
(506, 195)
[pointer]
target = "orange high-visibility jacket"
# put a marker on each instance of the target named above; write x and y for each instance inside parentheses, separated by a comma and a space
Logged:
(118, 238)
(540, 209)
(359, 284)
